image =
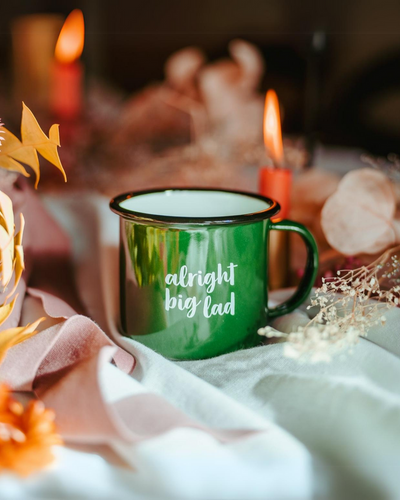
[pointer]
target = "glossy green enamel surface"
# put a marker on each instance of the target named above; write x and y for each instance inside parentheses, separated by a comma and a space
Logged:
(310, 271)
(196, 291)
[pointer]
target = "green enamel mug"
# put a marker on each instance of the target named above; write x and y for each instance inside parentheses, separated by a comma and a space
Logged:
(194, 269)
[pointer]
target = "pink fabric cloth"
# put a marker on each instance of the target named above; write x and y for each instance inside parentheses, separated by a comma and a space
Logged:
(62, 363)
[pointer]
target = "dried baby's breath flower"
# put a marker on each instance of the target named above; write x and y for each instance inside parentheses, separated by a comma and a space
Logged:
(349, 305)
(27, 435)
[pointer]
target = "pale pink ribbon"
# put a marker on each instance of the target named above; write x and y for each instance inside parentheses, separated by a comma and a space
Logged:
(62, 363)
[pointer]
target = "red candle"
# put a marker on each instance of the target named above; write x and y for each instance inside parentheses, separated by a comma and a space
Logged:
(275, 182)
(67, 71)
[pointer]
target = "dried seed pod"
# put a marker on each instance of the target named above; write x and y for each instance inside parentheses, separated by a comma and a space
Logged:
(359, 216)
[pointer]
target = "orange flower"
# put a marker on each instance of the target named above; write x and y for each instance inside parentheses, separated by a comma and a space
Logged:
(26, 435)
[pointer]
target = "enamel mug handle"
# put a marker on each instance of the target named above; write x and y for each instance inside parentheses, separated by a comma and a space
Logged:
(310, 271)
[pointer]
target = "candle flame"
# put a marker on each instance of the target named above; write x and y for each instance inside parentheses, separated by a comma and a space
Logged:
(272, 127)
(70, 42)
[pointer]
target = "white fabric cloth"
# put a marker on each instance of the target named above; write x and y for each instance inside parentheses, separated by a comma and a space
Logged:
(184, 463)
(331, 430)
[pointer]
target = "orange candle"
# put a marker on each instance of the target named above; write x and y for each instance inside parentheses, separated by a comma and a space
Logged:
(33, 41)
(275, 182)
(67, 71)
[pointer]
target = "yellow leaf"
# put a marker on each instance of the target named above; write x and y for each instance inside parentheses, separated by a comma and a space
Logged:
(13, 151)
(33, 140)
(19, 267)
(6, 256)
(9, 164)
(18, 237)
(13, 336)
(33, 135)
(6, 310)
(11, 251)
(7, 213)
(54, 134)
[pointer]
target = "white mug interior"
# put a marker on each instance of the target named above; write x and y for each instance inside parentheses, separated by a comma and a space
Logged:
(192, 203)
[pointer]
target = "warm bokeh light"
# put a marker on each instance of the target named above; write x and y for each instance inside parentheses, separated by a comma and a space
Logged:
(71, 39)
(272, 127)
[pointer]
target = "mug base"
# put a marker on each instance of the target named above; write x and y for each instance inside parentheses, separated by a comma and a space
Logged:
(205, 352)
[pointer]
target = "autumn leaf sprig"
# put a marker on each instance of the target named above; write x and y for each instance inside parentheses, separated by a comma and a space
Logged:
(27, 435)
(11, 268)
(350, 304)
(15, 153)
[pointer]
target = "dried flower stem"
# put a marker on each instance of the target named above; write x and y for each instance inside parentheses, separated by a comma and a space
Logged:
(350, 304)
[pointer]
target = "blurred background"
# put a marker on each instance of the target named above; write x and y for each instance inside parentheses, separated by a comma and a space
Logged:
(335, 64)
(129, 121)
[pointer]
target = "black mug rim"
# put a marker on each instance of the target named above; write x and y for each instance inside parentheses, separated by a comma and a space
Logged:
(269, 212)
